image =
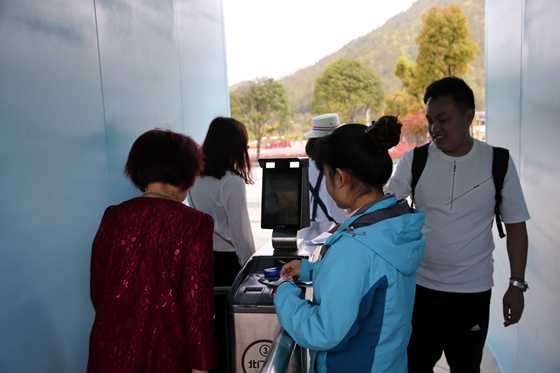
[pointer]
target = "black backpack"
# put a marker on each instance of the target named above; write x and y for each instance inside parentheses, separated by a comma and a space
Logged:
(500, 160)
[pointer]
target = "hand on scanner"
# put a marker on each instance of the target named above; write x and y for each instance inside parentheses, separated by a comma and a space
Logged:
(290, 270)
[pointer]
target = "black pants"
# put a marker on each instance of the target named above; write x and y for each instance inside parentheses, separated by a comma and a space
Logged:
(226, 267)
(454, 323)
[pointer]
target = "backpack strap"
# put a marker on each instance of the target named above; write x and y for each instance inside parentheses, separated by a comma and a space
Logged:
(419, 159)
(325, 211)
(398, 209)
(315, 194)
(500, 161)
(317, 201)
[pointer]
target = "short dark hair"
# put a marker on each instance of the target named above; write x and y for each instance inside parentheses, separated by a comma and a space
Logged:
(454, 87)
(362, 151)
(163, 156)
(225, 149)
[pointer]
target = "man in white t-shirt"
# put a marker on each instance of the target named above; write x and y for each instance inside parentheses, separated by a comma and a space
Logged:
(456, 191)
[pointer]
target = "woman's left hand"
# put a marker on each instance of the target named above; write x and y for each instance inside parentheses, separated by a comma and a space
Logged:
(291, 270)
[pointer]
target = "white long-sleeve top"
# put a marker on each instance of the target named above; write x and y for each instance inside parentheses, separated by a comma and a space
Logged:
(321, 223)
(225, 200)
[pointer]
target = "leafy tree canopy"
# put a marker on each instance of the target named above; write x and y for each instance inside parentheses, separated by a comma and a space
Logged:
(445, 48)
(348, 88)
(402, 103)
(263, 106)
(445, 45)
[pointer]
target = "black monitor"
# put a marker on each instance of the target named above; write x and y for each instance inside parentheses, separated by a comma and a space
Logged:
(285, 198)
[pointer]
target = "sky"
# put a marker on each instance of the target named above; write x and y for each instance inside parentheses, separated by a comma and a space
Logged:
(274, 38)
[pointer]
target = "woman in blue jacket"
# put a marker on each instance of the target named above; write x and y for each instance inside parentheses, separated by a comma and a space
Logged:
(364, 282)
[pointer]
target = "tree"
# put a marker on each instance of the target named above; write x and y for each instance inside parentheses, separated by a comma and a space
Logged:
(349, 89)
(415, 128)
(445, 48)
(401, 103)
(405, 70)
(263, 106)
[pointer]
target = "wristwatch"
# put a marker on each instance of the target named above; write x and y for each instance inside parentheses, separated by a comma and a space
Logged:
(522, 285)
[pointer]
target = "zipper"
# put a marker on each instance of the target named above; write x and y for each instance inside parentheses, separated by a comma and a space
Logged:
(453, 186)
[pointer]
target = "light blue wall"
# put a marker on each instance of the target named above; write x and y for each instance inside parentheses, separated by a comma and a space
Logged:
(79, 80)
(523, 111)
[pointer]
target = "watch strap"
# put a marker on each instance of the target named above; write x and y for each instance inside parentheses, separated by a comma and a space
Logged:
(519, 284)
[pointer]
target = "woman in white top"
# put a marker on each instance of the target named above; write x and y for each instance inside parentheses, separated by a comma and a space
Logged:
(220, 192)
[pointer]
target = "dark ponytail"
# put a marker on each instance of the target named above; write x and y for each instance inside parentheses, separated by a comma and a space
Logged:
(362, 151)
(385, 132)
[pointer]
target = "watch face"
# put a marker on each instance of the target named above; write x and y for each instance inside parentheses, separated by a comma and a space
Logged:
(518, 284)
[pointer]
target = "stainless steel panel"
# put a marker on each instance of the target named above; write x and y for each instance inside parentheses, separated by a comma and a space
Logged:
(141, 76)
(200, 37)
(286, 356)
(249, 329)
(67, 124)
(163, 65)
(53, 182)
(533, 345)
(504, 36)
(540, 171)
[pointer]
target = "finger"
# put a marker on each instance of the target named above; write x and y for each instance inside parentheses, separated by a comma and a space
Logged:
(288, 272)
(506, 310)
(512, 317)
(516, 313)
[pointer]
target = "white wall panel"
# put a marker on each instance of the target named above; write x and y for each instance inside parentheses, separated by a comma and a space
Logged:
(523, 110)
(80, 80)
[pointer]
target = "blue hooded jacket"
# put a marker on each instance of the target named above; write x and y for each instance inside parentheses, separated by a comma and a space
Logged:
(363, 295)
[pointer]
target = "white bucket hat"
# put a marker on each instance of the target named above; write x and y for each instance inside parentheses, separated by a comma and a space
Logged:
(323, 125)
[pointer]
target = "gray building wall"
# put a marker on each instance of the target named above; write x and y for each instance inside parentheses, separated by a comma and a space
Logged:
(79, 81)
(523, 110)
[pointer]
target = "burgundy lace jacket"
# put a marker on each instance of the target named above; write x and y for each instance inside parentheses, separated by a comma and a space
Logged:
(151, 287)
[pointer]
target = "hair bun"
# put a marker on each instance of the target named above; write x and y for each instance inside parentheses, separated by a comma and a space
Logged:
(385, 132)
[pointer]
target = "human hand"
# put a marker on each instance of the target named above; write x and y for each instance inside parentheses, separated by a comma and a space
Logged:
(199, 371)
(514, 302)
(291, 270)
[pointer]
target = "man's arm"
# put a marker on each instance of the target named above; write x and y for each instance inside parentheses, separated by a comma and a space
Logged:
(517, 247)
(399, 184)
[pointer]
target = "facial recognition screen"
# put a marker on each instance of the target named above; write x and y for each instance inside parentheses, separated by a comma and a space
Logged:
(281, 198)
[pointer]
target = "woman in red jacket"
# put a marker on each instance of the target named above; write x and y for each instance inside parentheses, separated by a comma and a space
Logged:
(151, 268)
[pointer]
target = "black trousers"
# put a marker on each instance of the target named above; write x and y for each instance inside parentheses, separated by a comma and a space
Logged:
(454, 323)
(226, 267)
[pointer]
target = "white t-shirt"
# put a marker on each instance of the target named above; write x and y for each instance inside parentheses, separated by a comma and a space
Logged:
(321, 223)
(458, 196)
(225, 200)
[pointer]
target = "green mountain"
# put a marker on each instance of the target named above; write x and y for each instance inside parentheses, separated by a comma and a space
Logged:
(381, 48)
